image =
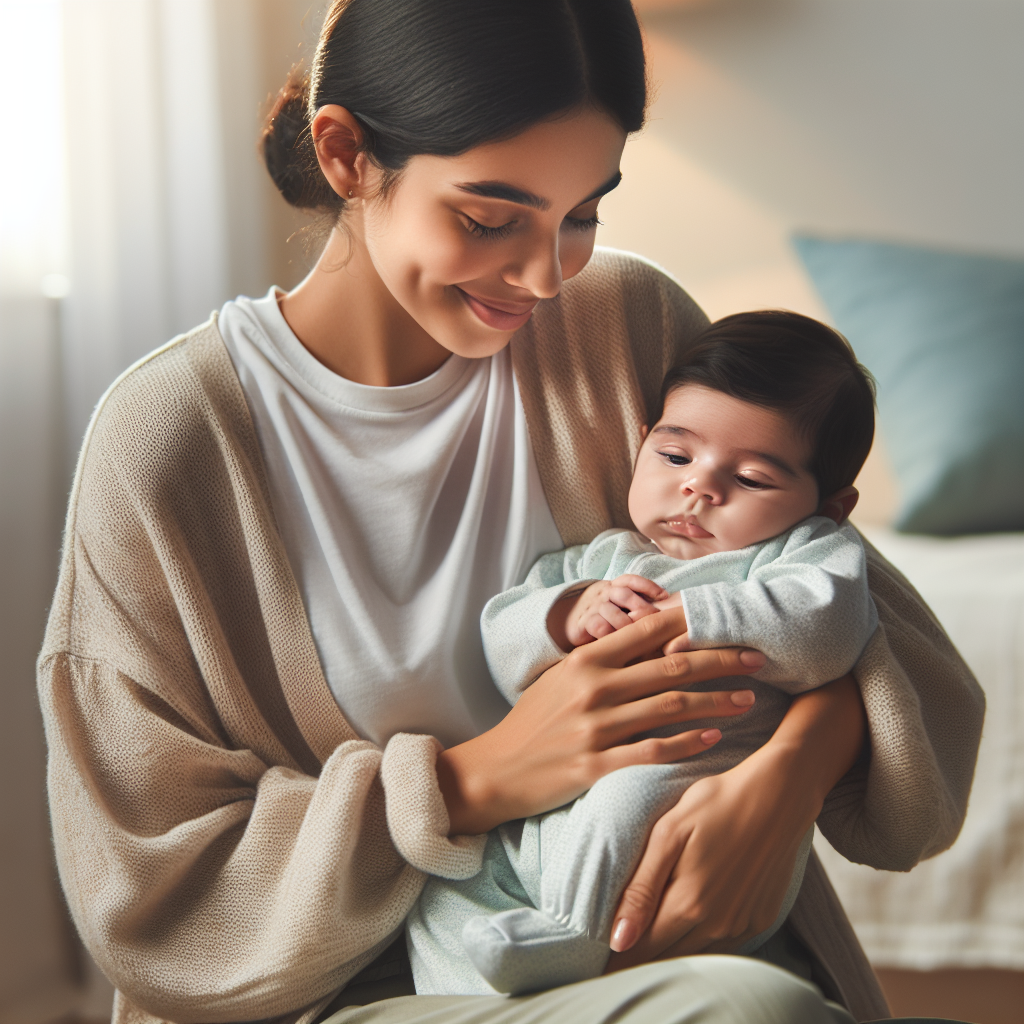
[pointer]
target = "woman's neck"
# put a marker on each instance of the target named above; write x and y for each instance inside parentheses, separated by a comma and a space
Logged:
(344, 314)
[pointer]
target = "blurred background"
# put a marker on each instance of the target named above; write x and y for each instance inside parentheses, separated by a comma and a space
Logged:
(133, 202)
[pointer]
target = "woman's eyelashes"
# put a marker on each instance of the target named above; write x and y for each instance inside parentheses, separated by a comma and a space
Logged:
(474, 227)
(483, 231)
(582, 223)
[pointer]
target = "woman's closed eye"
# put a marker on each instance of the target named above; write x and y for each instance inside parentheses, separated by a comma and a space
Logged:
(474, 227)
(582, 223)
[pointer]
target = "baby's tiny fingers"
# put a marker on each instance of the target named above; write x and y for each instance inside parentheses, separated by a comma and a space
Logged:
(644, 609)
(641, 585)
(628, 599)
(611, 612)
(597, 626)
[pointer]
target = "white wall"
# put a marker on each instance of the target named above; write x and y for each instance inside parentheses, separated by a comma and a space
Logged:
(894, 119)
(899, 119)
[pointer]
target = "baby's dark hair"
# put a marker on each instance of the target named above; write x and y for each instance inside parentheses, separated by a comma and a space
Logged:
(785, 361)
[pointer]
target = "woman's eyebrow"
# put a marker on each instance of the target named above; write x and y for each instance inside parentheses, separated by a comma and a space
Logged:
(522, 196)
(611, 183)
(503, 190)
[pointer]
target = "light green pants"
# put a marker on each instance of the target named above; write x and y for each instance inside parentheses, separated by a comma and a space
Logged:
(690, 990)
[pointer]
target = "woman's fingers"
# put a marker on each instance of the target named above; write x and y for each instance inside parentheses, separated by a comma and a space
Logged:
(677, 671)
(641, 898)
(678, 645)
(660, 750)
(672, 708)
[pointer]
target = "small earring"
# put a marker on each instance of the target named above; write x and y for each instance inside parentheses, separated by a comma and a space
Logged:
(350, 193)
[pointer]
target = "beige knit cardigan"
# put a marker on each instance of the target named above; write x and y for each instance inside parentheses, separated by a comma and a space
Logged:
(230, 849)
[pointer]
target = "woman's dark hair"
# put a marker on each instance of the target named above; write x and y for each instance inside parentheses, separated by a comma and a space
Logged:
(443, 76)
(785, 361)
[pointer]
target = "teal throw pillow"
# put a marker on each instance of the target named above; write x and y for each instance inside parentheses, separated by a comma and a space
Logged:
(943, 333)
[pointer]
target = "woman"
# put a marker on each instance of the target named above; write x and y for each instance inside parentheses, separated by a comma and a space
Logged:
(265, 699)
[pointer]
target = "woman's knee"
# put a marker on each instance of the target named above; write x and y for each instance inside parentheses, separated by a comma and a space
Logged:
(734, 990)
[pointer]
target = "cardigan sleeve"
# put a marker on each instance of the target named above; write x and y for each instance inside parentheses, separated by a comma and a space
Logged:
(230, 849)
(925, 710)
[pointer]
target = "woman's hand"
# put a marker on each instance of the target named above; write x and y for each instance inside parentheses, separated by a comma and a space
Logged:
(576, 723)
(717, 866)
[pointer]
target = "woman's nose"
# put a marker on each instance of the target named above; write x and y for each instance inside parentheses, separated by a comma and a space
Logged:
(538, 269)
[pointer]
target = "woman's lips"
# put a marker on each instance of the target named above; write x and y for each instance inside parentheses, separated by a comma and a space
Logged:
(508, 316)
(683, 528)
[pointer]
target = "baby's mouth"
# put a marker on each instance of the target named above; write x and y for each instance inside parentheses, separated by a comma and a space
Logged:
(686, 528)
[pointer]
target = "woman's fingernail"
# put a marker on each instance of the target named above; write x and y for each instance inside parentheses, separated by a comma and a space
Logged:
(710, 736)
(622, 935)
(743, 698)
(755, 659)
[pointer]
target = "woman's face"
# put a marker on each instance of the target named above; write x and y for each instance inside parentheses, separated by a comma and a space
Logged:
(468, 245)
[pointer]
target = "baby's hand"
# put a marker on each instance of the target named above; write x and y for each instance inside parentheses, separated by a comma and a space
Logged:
(607, 606)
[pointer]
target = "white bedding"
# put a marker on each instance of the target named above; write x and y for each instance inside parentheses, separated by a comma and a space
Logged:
(965, 907)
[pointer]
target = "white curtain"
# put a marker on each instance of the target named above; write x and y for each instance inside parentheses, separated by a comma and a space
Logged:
(148, 225)
(132, 203)
(40, 971)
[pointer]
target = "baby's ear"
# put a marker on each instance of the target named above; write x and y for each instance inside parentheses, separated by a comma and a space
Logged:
(643, 433)
(838, 506)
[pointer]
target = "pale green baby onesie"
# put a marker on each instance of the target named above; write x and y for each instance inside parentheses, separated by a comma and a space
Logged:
(539, 912)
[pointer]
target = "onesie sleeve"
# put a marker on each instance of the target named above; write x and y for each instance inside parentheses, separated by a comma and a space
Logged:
(807, 608)
(514, 624)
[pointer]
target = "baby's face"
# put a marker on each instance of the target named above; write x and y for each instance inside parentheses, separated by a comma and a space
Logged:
(717, 474)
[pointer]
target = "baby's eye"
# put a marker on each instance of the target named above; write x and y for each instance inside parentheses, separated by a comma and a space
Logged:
(752, 485)
(676, 460)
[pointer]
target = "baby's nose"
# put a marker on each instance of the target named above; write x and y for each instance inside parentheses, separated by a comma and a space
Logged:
(703, 490)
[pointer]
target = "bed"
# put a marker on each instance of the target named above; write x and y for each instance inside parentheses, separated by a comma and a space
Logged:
(965, 907)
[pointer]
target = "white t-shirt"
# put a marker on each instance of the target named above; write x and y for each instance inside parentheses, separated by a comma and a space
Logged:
(403, 511)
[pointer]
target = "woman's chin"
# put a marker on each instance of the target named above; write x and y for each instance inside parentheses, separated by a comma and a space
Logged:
(464, 335)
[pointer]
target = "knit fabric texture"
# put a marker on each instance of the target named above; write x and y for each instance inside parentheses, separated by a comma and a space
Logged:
(229, 848)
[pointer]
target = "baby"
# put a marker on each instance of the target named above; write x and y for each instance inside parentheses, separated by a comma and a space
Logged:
(739, 494)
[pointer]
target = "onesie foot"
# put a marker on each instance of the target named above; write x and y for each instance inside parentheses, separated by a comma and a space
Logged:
(523, 950)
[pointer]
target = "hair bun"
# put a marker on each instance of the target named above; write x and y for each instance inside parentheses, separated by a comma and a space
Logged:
(288, 149)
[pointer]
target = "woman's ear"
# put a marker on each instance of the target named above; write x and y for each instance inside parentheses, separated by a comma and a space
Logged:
(838, 506)
(339, 140)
